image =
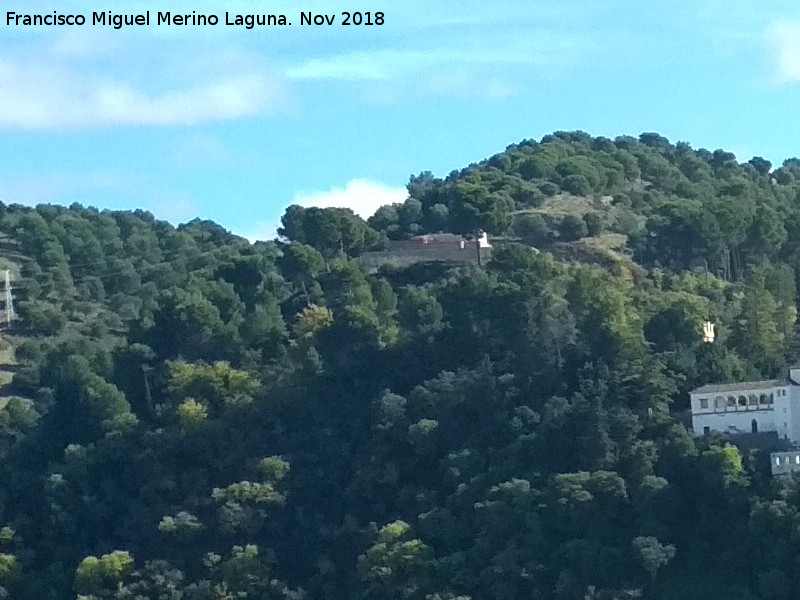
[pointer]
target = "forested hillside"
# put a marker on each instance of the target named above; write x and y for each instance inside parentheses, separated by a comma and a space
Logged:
(194, 417)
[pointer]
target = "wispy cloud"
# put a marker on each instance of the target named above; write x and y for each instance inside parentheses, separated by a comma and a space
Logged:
(69, 92)
(457, 64)
(357, 66)
(542, 51)
(362, 196)
(386, 64)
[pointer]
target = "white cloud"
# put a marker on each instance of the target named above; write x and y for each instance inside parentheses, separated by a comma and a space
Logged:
(542, 51)
(63, 94)
(359, 66)
(457, 65)
(784, 37)
(362, 196)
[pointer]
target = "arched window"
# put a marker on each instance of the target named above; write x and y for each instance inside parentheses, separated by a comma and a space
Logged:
(731, 401)
(742, 401)
(763, 399)
(752, 400)
(719, 402)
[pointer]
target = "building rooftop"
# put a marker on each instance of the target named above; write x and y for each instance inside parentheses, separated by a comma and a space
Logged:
(739, 386)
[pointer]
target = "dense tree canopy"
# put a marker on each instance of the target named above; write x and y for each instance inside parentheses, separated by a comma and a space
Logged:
(194, 417)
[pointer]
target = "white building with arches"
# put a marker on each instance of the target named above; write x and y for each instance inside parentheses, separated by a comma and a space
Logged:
(749, 407)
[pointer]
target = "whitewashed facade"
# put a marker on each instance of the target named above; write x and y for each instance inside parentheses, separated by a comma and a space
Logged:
(749, 407)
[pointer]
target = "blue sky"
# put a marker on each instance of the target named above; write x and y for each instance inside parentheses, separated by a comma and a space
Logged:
(234, 125)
